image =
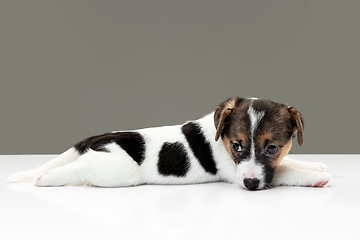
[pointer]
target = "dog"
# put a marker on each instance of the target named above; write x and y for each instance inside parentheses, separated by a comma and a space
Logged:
(244, 141)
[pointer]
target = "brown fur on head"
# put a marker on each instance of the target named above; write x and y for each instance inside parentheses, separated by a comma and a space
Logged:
(258, 131)
(222, 112)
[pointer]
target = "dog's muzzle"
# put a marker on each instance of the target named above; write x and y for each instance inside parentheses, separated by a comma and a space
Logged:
(251, 183)
(250, 175)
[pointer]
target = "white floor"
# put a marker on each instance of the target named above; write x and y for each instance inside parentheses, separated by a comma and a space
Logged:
(205, 211)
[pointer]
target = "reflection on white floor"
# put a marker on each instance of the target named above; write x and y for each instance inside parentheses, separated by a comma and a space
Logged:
(206, 211)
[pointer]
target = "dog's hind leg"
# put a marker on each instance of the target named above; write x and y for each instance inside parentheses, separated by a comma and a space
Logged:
(101, 169)
(304, 165)
(60, 176)
(69, 156)
(293, 176)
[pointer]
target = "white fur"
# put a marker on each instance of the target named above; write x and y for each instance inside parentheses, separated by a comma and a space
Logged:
(296, 173)
(304, 165)
(155, 138)
(97, 168)
(63, 159)
(224, 163)
(116, 168)
(249, 168)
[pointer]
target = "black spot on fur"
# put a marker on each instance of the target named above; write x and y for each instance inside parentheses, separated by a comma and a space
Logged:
(132, 142)
(269, 173)
(173, 160)
(200, 147)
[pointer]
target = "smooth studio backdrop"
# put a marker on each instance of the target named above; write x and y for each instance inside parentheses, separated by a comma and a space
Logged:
(72, 69)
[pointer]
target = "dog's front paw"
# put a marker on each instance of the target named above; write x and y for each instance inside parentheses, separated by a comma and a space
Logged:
(318, 167)
(317, 179)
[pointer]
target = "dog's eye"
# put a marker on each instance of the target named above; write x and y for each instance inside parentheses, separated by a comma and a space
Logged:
(237, 146)
(272, 149)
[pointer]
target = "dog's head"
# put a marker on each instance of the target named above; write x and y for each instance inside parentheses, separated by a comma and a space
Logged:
(258, 134)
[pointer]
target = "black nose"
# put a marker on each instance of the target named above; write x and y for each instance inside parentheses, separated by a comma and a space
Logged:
(251, 183)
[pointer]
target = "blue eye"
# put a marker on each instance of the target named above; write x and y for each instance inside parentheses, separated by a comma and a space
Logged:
(237, 146)
(271, 149)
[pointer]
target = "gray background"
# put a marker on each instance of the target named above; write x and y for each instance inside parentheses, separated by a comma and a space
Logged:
(71, 69)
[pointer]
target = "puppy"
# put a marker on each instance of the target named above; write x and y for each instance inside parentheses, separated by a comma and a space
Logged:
(244, 141)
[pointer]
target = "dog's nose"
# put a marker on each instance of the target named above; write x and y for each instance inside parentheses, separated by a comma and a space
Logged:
(251, 183)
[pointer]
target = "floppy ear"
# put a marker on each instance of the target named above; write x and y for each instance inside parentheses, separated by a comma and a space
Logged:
(223, 111)
(298, 123)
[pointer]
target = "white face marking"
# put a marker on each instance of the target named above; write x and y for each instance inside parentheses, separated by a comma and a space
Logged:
(249, 168)
(255, 118)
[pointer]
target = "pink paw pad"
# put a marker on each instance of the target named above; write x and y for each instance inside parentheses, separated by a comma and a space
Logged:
(37, 181)
(321, 184)
(43, 175)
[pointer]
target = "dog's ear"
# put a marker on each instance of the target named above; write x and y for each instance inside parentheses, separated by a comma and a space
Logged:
(298, 123)
(222, 112)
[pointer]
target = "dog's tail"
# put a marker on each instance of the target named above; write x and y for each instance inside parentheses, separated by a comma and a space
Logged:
(27, 176)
